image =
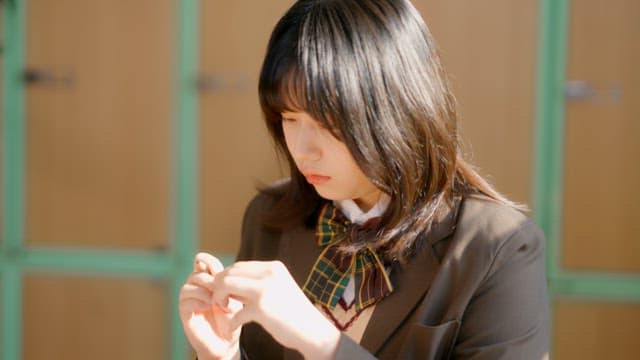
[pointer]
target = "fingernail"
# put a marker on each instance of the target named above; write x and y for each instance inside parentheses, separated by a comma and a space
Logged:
(201, 266)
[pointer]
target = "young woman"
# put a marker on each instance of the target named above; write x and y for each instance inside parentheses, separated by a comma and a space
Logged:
(383, 242)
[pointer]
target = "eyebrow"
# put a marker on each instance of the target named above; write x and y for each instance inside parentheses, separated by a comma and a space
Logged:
(288, 115)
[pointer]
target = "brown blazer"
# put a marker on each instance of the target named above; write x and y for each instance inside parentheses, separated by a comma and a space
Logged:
(475, 289)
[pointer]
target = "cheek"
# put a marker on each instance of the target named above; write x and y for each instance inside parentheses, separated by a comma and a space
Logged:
(348, 169)
(288, 138)
(354, 175)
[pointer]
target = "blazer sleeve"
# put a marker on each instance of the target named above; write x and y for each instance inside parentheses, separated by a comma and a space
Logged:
(507, 317)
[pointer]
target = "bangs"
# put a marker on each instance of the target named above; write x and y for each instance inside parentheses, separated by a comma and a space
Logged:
(283, 89)
(308, 68)
(288, 88)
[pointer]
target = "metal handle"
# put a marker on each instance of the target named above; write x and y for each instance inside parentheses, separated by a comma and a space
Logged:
(580, 90)
(210, 83)
(45, 77)
(219, 82)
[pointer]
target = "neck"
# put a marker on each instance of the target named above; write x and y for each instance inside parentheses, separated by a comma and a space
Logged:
(366, 203)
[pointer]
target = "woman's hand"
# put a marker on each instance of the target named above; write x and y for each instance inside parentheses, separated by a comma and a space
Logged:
(271, 298)
(207, 325)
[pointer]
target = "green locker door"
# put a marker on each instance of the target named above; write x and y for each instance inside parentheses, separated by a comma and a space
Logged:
(98, 177)
(588, 173)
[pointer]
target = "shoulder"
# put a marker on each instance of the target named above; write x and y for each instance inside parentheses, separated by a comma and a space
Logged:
(493, 221)
(496, 264)
(265, 200)
(489, 233)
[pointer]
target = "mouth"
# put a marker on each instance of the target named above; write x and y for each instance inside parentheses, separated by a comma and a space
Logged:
(316, 179)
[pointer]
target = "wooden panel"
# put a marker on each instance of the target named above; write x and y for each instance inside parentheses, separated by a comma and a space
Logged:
(236, 151)
(489, 49)
(98, 135)
(584, 330)
(94, 318)
(602, 204)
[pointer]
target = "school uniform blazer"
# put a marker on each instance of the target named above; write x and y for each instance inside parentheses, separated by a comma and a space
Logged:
(475, 289)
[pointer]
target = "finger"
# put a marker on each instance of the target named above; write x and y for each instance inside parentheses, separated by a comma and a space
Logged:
(200, 266)
(190, 291)
(201, 279)
(242, 288)
(191, 306)
(231, 306)
(252, 269)
(240, 318)
(213, 265)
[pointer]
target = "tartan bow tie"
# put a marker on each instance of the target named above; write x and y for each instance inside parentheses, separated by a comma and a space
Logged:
(333, 268)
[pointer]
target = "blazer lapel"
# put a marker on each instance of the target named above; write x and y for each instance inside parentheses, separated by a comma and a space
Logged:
(410, 283)
(300, 249)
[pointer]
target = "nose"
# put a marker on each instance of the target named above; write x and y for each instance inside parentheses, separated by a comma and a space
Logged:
(304, 144)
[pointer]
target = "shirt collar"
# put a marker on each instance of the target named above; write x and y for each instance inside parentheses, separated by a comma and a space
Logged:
(353, 212)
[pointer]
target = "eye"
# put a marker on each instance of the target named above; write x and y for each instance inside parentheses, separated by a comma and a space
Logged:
(288, 118)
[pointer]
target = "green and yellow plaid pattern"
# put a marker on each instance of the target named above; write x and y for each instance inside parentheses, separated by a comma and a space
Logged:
(333, 269)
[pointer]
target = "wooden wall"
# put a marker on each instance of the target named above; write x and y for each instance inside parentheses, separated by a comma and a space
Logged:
(99, 144)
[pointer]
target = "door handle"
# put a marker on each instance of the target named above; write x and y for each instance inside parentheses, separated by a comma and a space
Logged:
(47, 77)
(219, 82)
(580, 90)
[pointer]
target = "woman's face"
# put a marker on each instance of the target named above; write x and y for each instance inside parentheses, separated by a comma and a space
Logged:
(326, 162)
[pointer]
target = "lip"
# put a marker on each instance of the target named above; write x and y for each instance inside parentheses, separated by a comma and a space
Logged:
(316, 179)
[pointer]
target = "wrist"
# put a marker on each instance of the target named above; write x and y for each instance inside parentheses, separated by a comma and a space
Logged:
(324, 345)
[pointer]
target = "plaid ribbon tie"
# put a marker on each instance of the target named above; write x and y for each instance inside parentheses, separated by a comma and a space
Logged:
(331, 273)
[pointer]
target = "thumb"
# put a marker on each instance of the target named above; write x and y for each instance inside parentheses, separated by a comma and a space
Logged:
(240, 318)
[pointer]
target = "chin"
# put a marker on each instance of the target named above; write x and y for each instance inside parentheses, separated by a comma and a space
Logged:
(327, 194)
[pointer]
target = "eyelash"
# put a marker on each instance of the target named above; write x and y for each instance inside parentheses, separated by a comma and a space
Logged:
(331, 131)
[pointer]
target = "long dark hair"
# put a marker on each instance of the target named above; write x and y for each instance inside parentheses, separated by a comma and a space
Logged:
(369, 71)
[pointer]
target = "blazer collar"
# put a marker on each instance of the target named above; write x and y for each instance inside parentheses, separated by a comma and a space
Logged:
(410, 281)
